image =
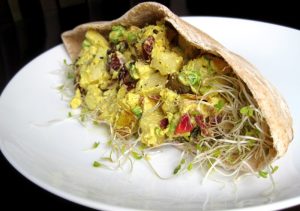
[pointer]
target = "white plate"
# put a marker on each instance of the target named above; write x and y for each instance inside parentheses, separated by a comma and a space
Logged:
(54, 157)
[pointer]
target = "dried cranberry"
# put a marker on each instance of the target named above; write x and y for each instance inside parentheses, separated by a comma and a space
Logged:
(200, 122)
(216, 119)
(130, 86)
(184, 125)
(147, 47)
(122, 73)
(126, 79)
(164, 123)
(114, 62)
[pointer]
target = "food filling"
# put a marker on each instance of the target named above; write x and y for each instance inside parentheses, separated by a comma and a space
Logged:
(154, 88)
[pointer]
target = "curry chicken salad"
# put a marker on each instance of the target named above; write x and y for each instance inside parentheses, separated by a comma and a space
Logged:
(155, 89)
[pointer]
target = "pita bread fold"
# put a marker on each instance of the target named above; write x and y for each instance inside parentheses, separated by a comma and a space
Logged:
(270, 102)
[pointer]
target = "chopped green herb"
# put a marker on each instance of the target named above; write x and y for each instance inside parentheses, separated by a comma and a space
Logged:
(247, 110)
(263, 174)
(193, 78)
(182, 161)
(70, 114)
(70, 75)
(82, 117)
(201, 148)
(95, 145)
(172, 126)
(97, 164)
(142, 146)
(251, 143)
(132, 70)
(190, 166)
(121, 47)
(137, 111)
(194, 113)
(66, 63)
(131, 37)
(274, 169)
(217, 153)
(95, 122)
(253, 132)
(109, 143)
(123, 149)
(86, 44)
(219, 105)
(117, 34)
(158, 131)
(136, 155)
(177, 169)
(109, 159)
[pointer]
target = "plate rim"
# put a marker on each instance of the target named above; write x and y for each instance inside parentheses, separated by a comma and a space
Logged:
(241, 20)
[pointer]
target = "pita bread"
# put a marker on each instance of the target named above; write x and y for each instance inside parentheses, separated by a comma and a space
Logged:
(270, 102)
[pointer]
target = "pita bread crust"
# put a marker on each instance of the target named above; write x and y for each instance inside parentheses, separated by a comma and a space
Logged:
(271, 103)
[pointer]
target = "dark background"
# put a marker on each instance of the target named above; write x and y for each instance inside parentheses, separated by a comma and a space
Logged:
(28, 28)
